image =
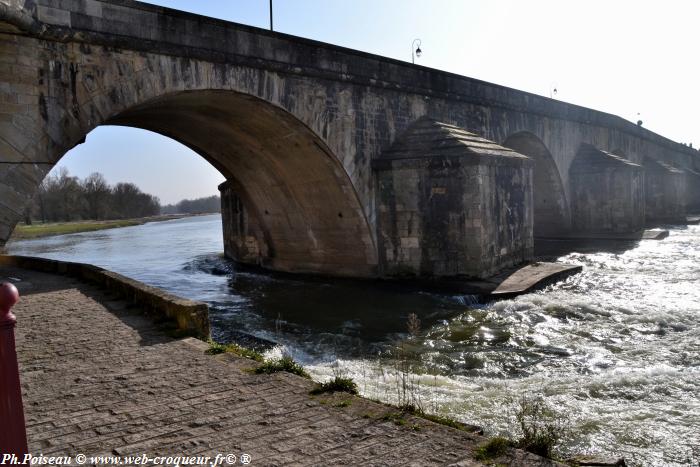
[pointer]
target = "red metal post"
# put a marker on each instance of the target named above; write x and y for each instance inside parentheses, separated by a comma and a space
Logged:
(13, 433)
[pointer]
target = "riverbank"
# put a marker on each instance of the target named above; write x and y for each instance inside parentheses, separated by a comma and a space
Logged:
(37, 230)
(78, 344)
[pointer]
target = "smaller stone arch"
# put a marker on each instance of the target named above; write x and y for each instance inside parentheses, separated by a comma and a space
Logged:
(551, 209)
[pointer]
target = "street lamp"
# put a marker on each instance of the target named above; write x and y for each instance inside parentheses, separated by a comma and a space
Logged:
(271, 28)
(415, 50)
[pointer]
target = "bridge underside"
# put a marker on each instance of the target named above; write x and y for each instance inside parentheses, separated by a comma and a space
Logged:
(306, 213)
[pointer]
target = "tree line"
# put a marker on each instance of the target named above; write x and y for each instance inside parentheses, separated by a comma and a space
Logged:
(65, 198)
(194, 206)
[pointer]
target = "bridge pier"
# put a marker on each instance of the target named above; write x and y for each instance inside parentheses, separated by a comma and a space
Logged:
(665, 192)
(451, 204)
(693, 188)
(244, 239)
(607, 192)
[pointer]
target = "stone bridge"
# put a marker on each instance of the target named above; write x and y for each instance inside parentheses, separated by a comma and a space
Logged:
(337, 162)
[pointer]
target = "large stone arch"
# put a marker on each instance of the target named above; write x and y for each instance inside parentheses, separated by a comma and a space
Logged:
(299, 194)
(551, 209)
(258, 128)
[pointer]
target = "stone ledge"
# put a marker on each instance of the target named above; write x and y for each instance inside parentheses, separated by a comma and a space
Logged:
(189, 316)
(533, 276)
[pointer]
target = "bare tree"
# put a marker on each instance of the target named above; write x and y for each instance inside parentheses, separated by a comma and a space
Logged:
(62, 197)
(97, 196)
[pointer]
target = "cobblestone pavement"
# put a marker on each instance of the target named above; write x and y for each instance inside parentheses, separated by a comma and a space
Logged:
(98, 377)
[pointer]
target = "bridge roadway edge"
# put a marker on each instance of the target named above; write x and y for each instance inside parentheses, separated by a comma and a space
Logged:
(100, 378)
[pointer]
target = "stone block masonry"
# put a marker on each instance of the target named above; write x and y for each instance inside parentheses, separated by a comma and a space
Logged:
(452, 204)
(666, 192)
(244, 239)
(607, 192)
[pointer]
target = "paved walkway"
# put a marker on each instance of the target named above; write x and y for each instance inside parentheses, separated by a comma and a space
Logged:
(100, 378)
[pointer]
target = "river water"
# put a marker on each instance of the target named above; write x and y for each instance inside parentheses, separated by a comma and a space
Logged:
(613, 353)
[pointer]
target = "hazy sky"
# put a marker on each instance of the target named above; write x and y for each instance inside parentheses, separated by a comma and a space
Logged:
(636, 59)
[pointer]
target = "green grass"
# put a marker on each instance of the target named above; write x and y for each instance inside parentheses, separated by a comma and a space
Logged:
(493, 448)
(283, 364)
(541, 429)
(399, 418)
(45, 230)
(268, 366)
(215, 348)
(38, 229)
(396, 417)
(337, 384)
(440, 419)
(541, 443)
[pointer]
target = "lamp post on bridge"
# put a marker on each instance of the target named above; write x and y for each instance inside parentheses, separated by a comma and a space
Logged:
(415, 51)
(13, 434)
(271, 28)
(552, 90)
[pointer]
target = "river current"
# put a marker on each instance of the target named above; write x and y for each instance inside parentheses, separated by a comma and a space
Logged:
(613, 353)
